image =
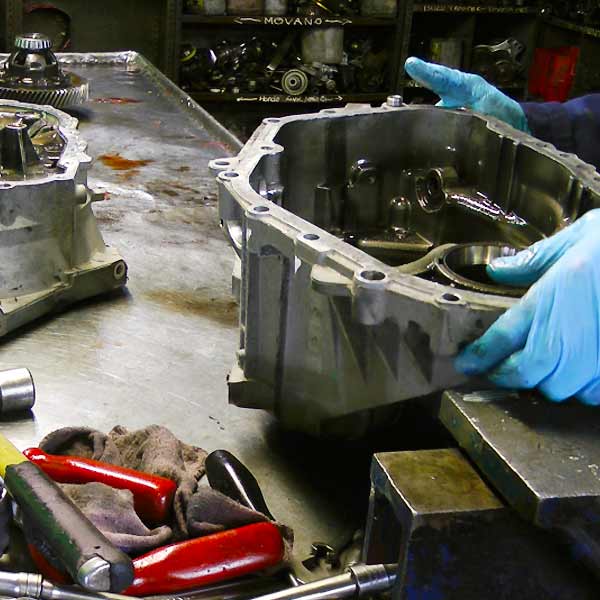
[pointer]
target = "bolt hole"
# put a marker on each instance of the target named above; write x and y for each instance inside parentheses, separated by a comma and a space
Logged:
(119, 270)
(261, 209)
(311, 237)
(373, 275)
(266, 148)
(450, 297)
(231, 174)
(222, 163)
(271, 120)
(330, 110)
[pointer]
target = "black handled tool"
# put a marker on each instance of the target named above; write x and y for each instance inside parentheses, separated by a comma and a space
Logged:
(86, 554)
(231, 477)
(228, 475)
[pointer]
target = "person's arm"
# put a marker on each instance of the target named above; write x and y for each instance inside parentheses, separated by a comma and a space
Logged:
(572, 127)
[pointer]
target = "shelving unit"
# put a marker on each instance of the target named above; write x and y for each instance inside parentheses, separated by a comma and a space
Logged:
(414, 20)
(285, 99)
(475, 9)
(584, 30)
(288, 21)
(157, 28)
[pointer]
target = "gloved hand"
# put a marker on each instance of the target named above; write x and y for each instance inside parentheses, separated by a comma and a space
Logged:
(458, 90)
(551, 338)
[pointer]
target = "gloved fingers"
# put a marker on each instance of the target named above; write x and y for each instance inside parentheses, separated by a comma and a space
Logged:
(590, 394)
(505, 337)
(538, 359)
(527, 266)
(520, 371)
(461, 87)
(449, 103)
(570, 329)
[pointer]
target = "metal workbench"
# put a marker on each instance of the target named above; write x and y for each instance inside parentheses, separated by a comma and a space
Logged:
(160, 351)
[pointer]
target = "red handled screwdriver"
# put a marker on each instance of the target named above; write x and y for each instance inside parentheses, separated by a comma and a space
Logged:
(196, 563)
(152, 495)
(206, 560)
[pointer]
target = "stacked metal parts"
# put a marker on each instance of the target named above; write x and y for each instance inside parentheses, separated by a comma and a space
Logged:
(316, 61)
(32, 73)
(51, 249)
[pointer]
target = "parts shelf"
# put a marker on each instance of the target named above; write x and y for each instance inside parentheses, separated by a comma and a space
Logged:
(286, 99)
(476, 9)
(413, 31)
(287, 21)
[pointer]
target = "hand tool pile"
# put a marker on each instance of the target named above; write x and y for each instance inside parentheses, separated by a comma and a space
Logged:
(75, 540)
(87, 522)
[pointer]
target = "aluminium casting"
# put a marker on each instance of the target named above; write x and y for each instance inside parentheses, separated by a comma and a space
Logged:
(51, 250)
(363, 235)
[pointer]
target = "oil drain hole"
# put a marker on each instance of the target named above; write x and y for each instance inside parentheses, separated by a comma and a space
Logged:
(312, 237)
(372, 275)
(261, 209)
(231, 174)
(447, 297)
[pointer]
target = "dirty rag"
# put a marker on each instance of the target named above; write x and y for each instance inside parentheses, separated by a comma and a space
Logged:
(154, 450)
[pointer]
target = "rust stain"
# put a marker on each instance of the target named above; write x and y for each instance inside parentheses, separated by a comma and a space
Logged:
(184, 188)
(126, 176)
(183, 169)
(120, 163)
(200, 303)
(117, 100)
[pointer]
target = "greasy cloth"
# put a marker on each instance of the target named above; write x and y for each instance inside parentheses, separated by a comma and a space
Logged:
(210, 511)
(154, 450)
(112, 512)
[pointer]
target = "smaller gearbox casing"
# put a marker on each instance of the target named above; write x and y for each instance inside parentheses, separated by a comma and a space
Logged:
(51, 250)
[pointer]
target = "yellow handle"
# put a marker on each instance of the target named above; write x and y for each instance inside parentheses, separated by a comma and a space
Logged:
(9, 455)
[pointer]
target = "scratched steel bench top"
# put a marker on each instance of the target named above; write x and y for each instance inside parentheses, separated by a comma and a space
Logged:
(160, 352)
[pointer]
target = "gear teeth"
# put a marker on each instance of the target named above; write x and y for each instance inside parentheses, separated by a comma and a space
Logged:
(59, 98)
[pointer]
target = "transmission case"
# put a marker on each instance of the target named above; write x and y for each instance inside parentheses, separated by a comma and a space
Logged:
(363, 235)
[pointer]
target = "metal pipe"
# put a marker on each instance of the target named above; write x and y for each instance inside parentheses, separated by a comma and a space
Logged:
(360, 580)
(33, 585)
(17, 390)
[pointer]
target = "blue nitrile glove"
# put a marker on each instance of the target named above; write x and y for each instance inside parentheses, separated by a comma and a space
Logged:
(464, 90)
(551, 338)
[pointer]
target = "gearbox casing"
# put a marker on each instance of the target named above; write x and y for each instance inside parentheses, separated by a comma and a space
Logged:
(51, 249)
(343, 221)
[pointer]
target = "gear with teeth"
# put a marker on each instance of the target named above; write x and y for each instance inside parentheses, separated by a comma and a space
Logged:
(33, 74)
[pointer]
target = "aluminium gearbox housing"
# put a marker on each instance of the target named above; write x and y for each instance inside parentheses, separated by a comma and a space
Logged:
(51, 250)
(363, 235)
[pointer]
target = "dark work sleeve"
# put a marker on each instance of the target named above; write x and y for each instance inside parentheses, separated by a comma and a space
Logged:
(573, 126)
